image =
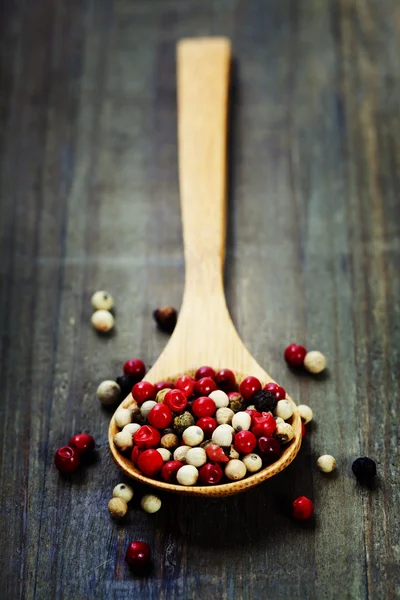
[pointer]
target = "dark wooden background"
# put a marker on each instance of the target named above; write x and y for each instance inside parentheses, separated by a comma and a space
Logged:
(90, 200)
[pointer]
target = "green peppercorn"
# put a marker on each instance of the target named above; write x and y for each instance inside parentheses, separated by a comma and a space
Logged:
(182, 422)
(236, 403)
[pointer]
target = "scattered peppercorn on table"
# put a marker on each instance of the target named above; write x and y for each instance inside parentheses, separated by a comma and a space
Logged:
(90, 203)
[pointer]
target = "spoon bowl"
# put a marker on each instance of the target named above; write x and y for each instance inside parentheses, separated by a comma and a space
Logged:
(204, 333)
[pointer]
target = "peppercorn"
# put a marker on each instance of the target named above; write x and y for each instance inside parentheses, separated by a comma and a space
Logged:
(196, 457)
(102, 321)
(123, 440)
(252, 462)
(187, 475)
(102, 300)
(122, 417)
(364, 468)
(222, 435)
(166, 454)
(305, 413)
(236, 402)
(150, 503)
(124, 491)
(315, 362)
(193, 436)
(326, 463)
(117, 507)
(165, 317)
(108, 392)
(126, 383)
(233, 453)
(284, 433)
(169, 441)
(224, 415)
(241, 421)
(265, 401)
(146, 408)
(161, 394)
(180, 453)
(235, 470)
(182, 422)
(220, 398)
(284, 409)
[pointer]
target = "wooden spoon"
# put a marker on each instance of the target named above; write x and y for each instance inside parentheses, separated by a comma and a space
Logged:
(204, 334)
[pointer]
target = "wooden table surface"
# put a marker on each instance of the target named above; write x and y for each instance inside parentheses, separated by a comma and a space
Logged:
(90, 201)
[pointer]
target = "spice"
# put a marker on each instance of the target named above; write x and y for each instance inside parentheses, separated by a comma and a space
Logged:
(102, 300)
(182, 422)
(204, 372)
(143, 390)
(294, 355)
(169, 441)
(302, 508)
(147, 437)
(166, 454)
(175, 400)
(150, 503)
(160, 416)
(124, 491)
(123, 440)
(180, 453)
(108, 392)
(122, 417)
(284, 409)
(150, 462)
(204, 407)
(187, 475)
(305, 413)
(204, 386)
(134, 367)
(235, 470)
(166, 318)
(222, 436)
(284, 433)
(126, 383)
(248, 387)
(193, 436)
(269, 449)
(277, 390)
(326, 463)
(196, 457)
(146, 408)
(138, 555)
(315, 362)
(210, 474)
(82, 442)
(207, 424)
(364, 468)
(226, 380)
(265, 401)
(236, 402)
(117, 507)
(224, 416)
(241, 421)
(102, 321)
(220, 398)
(66, 459)
(252, 462)
(161, 394)
(170, 469)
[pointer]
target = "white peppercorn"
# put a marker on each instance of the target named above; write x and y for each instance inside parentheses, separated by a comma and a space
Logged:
(222, 436)
(166, 454)
(220, 398)
(326, 463)
(108, 392)
(224, 416)
(279, 420)
(315, 362)
(241, 421)
(169, 441)
(193, 435)
(131, 428)
(180, 453)
(284, 409)
(305, 413)
(233, 453)
(117, 507)
(102, 321)
(187, 475)
(146, 408)
(284, 432)
(196, 457)
(150, 503)
(122, 417)
(252, 462)
(161, 395)
(102, 300)
(123, 440)
(235, 470)
(124, 491)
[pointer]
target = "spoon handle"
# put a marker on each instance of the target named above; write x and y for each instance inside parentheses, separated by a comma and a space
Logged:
(203, 66)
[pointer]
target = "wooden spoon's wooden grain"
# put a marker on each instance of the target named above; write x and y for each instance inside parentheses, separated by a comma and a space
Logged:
(204, 333)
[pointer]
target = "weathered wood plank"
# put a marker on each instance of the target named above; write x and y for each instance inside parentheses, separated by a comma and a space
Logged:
(89, 199)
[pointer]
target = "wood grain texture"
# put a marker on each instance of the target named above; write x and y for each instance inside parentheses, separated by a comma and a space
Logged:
(89, 200)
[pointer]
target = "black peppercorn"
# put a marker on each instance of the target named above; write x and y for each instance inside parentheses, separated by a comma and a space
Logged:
(126, 383)
(165, 317)
(264, 401)
(364, 468)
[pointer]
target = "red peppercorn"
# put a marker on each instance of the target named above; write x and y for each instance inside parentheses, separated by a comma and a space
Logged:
(302, 508)
(134, 367)
(249, 387)
(294, 355)
(263, 425)
(160, 416)
(204, 407)
(175, 400)
(147, 437)
(207, 424)
(280, 392)
(253, 414)
(226, 380)
(185, 384)
(303, 429)
(204, 386)
(269, 449)
(82, 442)
(136, 452)
(143, 390)
(163, 385)
(150, 462)
(204, 372)
(66, 459)
(210, 474)
(138, 555)
(170, 469)
(216, 454)
(245, 442)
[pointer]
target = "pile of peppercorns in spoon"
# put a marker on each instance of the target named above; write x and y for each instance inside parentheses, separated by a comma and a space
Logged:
(207, 429)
